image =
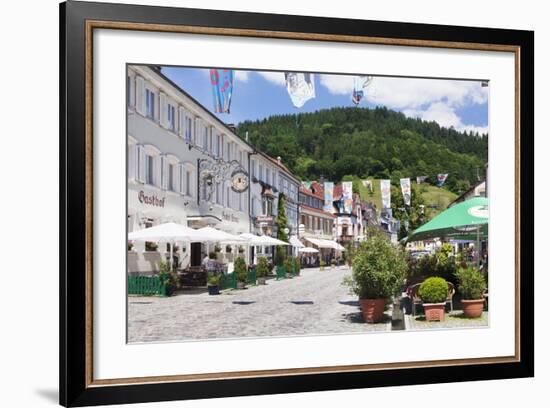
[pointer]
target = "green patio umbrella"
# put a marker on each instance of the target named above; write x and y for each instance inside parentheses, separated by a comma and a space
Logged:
(468, 220)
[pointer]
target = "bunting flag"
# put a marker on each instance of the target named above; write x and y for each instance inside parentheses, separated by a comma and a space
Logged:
(300, 87)
(441, 177)
(385, 190)
(360, 83)
(329, 196)
(367, 184)
(306, 184)
(347, 196)
(222, 88)
(406, 190)
(420, 179)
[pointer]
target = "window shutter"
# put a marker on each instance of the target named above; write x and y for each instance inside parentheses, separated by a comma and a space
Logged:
(163, 172)
(182, 124)
(196, 134)
(132, 153)
(163, 110)
(140, 156)
(140, 95)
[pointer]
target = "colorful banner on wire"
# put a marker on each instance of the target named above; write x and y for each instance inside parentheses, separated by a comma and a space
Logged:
(385, 191)
(347, 196)
(360, 83)
(441, 177)
(329, 196)
(222, 88)
(406, 190)
(300, 87)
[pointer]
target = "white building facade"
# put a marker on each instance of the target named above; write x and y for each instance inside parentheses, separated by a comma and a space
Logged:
(180, 159)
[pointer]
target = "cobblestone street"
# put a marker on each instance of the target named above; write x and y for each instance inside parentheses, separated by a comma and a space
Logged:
(313, 303)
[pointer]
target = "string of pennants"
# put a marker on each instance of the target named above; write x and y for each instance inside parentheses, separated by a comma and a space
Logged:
(299, 85)
(385, 190)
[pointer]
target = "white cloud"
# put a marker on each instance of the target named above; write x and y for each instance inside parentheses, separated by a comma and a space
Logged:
(242, 76)
(337, 84)
(277, 78)
(442, 97)
(444, 115)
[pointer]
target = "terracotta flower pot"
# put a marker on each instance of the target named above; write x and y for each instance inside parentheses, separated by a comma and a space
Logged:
(472, 308)
(372, 309)
(434, 311)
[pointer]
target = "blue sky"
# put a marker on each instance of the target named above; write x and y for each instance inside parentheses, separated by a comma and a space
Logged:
(259, 94)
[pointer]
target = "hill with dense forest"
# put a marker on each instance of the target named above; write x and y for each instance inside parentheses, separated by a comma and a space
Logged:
(369, 143)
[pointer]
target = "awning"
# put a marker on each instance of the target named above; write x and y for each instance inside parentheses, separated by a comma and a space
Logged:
(261, 240)
(295, 242)
(308, 250)
(325, 243)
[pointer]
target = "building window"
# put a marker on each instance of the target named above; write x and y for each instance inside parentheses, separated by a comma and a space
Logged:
(171, 117)
(150, 104)
(188, 128)
(171, 184)
(149, 169)
(261, 173)
(267, 206)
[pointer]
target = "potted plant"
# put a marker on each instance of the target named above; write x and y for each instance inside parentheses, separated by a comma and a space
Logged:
(217, 248)
(151, 246)
(262, 270)
(332, 263)
(289, 266)
(130, 246)
(433, 292)
(240, 271)
(168, 278)
(212, 255)
(297, 266)
(213, 284)
(378, 271)
(228, 249)
(322, 264)
(471, 285)
(241, 249)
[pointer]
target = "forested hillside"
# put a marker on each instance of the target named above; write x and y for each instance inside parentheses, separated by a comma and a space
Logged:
(375, 143)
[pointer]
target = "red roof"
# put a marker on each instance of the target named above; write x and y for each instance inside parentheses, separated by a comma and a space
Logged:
(317, 210)
(310, 193)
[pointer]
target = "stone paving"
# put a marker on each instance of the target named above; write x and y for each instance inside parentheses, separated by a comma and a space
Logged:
(453, 320)
(313, 303)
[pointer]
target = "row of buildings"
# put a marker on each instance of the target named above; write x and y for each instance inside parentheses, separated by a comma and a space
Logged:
(186, 166)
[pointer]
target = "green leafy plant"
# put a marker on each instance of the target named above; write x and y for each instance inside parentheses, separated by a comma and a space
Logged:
(151, 246)
(217, 248)
(297, 265)
(241, 249)
(471, 283)
(228, 249)
(240, 269)
(263, 267)
(213, 279)
(378, 268)
(289, 264)
(433, 290)
(166, 276)
(130, 246)
(212, 255)
(280, 255)
(322, 264)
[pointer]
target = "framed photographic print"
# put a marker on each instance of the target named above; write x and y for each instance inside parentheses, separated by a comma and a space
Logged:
(255, 203)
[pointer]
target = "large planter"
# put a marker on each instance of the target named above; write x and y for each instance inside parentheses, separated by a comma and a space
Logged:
(434, 311)
(472, 308)
(214, 290)
(261, 280)
(241, 285)
(169, 290)
(372, 309)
